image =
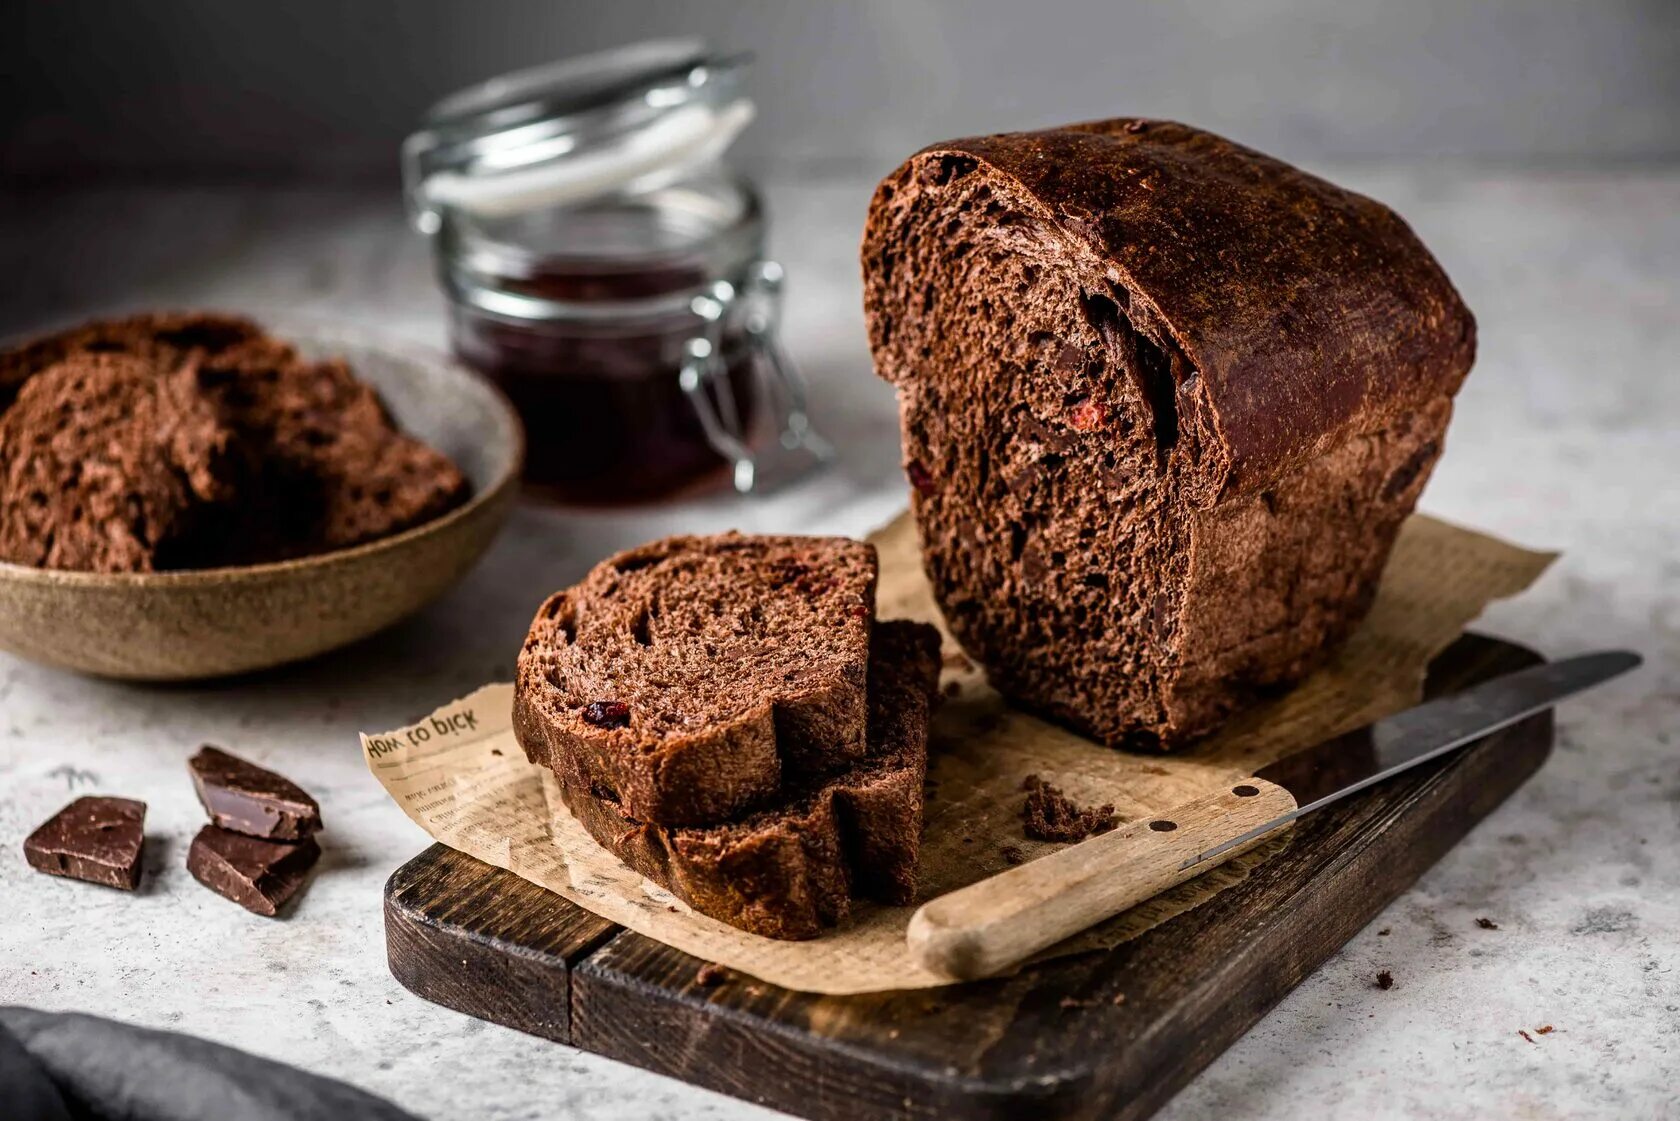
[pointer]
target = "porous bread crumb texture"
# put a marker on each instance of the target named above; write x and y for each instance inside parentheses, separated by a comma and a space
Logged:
(106, 467)
(195, 440)
(337, 471)
(1047, 814)
(693, 678)
(793, 869)
(1092, 532)
(162, 340)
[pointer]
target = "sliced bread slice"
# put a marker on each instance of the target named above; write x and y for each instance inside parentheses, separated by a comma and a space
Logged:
(163, 340)
(329, 467)
(692, 677)
(791, 870)
(106, 467)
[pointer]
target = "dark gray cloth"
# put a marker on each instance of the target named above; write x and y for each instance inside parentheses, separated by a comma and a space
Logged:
(64, 1066)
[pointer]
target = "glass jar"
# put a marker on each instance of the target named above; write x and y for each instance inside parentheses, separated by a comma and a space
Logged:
(608, 272)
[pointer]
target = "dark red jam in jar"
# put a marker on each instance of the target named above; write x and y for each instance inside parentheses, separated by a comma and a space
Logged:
(607, 271)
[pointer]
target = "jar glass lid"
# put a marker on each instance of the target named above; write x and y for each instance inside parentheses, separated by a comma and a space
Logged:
(630, 119)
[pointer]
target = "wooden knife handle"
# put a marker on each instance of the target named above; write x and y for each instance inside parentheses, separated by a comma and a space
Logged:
(977, 930)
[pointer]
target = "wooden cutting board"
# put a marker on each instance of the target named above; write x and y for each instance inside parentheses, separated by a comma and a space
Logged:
(1111, 1034)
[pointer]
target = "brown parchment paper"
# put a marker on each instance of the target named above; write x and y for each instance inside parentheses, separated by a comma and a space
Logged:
(461, 775)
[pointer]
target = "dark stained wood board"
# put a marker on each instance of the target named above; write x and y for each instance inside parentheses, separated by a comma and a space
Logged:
(1055, 1041)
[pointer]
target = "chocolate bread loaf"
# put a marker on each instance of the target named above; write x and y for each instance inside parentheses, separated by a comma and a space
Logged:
(789, 870)
(691, 678)
(1165, 402)
(106, 467)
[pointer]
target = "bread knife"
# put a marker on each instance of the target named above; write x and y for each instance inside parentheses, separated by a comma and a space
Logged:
(980, 929)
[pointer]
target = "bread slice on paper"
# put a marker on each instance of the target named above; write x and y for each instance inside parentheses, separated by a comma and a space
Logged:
(695, 678)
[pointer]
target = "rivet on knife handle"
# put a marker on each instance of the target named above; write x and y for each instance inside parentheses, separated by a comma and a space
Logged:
(977, 930)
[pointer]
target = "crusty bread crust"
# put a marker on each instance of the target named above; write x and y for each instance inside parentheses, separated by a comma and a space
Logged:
(1165, 403)
(791, 870)
(695, 678)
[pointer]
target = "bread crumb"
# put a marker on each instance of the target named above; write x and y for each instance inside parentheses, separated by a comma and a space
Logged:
(956, 659)
(1385, 980)
(1012, 854)
(1119, 999)
(1487, 924)
(1525, 1035)
(1076, 1002)
(1547, 1030)
(1050, 815)
(1383, 933)
(709, 975)
(495, 751)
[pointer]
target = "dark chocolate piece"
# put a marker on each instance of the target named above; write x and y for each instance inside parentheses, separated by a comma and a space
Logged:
(93, 839)
(258, 875)
(246, 798)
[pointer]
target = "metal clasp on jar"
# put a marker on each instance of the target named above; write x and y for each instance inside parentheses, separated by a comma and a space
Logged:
(756, 306)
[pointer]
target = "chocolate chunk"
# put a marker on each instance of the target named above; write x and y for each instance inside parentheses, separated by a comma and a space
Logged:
(249, 799)
(257, 874)
(93, 839)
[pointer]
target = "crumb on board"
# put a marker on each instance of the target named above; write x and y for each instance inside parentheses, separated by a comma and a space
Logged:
(495, 751)
(1525, 1035)
(1119, 999)
(1547, 1030)
(1076, 1002)
(1487, 924)
(1385, 980)
(709, 975)
(1383, 933)
(956, 659)
(1050, 815)
(1012, 854)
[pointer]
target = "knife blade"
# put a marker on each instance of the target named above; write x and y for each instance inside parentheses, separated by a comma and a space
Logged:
(980, 929)
(1345, 764)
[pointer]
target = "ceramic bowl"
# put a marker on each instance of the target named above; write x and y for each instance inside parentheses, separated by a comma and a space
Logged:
(179, 626)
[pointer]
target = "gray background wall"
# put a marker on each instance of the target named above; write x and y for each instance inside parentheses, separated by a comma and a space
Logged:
(318, 88)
